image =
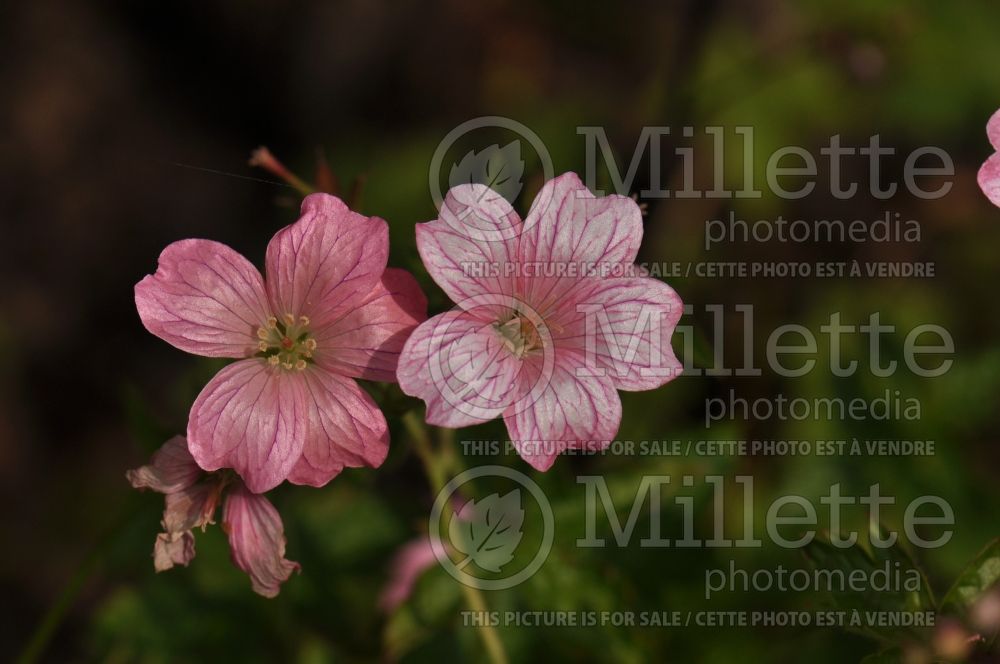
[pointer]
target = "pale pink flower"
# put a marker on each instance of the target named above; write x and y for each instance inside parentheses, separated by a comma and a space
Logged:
(989, 174)
(256, 535)
(329, 312)
(552, 317)
(413, 559)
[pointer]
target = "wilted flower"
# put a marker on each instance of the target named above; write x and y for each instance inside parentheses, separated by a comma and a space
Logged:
(989, 174)
(253, 526)
(330, 312)
(552, 317)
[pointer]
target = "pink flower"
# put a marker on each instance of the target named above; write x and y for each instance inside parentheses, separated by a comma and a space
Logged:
(989, 174)
(330, 312)
(412, 560)
(552, 317)
(256, 535)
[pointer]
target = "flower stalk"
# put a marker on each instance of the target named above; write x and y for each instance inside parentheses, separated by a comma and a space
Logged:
(436, 464)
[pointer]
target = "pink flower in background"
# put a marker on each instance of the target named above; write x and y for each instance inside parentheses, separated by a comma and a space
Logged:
(989, 174)
(413, 559)
(552, 317)
(328, 313)
(256, 535)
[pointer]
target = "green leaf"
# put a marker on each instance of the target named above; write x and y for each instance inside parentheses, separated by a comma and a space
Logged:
(978, 577)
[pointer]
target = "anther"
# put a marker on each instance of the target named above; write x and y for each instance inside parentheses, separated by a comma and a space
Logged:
(287, 365)
(272, 322)
(303, 320)
(262, 346)
(309, 344)
(262, 333)
(300, 365)
(273, 360)
(289, 319)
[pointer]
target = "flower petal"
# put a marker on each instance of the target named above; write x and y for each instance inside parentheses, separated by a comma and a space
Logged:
(571, 412)
(322, 265)
(192, 508)
(173, 549)
(460, 367)
(345, 428)
(469, 248)
(250, 417)
(993, 130)
(366, 341)
(171, 469)
(205, 299)
(408, 564)
(567, 224)
(257, 540)
(623, 329)
(989, 178)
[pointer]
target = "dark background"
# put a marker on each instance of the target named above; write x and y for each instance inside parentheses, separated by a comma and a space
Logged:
(126, 127)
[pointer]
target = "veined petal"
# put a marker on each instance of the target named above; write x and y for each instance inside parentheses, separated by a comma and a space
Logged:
(250, 417)
(471, 248)
(459, 366)
(366, 341)
(257, 540)
(345, 428)
(989, 178)
(192, 508)
(622, 328)
(171, 469)
(204, 298)
(322, 265)
(571, 412)
(568, 224)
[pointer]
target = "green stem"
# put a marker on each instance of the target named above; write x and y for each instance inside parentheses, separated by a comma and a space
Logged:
(436, 466)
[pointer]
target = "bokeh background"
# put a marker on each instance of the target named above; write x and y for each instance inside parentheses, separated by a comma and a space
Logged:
(127, 126)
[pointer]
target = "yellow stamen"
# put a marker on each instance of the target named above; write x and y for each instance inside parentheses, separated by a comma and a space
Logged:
(300, 365)
(262, 346)
(273, 360)
(310, 344)
(262, 333)
(303, 320)
(272, 322)
(289, 319)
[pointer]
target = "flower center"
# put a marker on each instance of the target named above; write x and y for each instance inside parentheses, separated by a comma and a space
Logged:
(286, 342)
(519, 335)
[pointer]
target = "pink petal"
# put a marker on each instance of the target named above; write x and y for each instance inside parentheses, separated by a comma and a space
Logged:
(345, 428)
(571, 412)
(567, 224)
(323, 264)
(257, 540)
(460, 367)
(989, 178)
(194, 507)
(627, 335)
(250, 417)
(171, 469)
(173, 549)
(412, 560)
(993, 130)
(568, 229)
(468, 250)
(205, 299)
(366, 341)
